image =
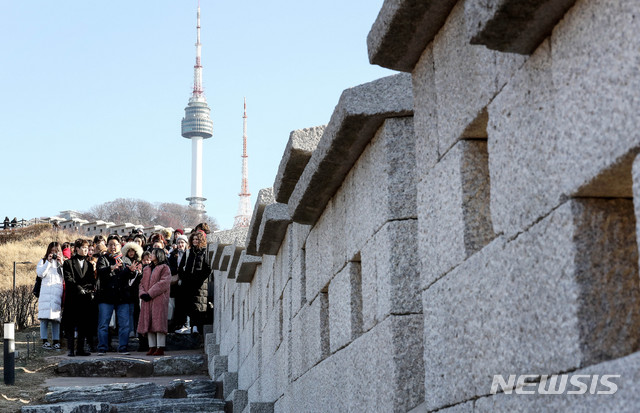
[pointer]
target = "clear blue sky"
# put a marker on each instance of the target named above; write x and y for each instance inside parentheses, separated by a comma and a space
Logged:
(92, 94)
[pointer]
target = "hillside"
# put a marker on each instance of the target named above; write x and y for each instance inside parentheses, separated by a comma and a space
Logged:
(26, 244)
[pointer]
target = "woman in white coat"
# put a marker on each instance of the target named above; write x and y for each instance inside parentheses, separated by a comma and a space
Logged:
(50, 301)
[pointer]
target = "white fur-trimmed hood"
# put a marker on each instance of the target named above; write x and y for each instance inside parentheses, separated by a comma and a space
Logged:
(134, 246)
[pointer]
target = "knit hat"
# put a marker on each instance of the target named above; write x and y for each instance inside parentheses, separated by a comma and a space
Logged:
(179, 231)
(182, 237)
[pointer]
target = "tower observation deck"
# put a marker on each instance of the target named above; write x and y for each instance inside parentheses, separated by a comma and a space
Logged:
(197, 126)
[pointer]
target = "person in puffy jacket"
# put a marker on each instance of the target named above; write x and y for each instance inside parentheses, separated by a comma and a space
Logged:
(49, 268)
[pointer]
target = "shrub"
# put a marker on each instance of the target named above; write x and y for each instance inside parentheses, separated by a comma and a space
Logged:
(25, 310)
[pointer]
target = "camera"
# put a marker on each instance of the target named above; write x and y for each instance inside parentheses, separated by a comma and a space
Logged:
(54, 257)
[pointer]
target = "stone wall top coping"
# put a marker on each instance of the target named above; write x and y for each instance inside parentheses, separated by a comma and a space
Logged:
(301, 144)
(247, 266)
(230, 236)
(275, 221)
(237, 250)
(227, 257)
(513, 26)
(403, 29)
(361, 110)
(265, 197)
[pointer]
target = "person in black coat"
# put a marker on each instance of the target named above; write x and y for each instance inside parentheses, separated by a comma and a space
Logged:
(176, 256)
(193, 272)
(80, 286)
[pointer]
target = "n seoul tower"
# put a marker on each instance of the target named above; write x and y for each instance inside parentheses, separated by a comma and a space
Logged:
(243, 219)
(197, 125)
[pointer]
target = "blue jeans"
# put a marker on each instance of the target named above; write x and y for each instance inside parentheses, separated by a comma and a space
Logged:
(104, 316)
(55, 329)
(131, 321)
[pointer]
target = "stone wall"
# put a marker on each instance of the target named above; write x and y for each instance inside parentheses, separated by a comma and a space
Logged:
(470, 217)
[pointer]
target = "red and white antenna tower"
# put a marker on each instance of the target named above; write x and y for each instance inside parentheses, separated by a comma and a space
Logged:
(243, 219)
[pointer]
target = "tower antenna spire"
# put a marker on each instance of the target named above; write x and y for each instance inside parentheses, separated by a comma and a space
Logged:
(243, 219)
(197, 125)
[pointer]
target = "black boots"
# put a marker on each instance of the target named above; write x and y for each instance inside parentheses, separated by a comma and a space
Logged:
(81, 351)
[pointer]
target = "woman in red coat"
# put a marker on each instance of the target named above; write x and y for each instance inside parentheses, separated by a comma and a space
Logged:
(154, 308)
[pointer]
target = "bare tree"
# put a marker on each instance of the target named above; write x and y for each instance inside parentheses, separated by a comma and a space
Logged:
(139, 212)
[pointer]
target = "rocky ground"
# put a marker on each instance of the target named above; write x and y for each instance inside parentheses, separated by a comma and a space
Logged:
(38, 371)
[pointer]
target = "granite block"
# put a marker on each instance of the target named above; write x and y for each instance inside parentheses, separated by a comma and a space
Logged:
(71, 407)
(239, 399)
(301, 144)
(273, 228)
(369, 285)
(105, 393)
(403, 29)
(319, 254)
(310, 336)
(250, 369)
(454, 214)
(298, 284)
(299, 234)
(625, 399)
(217, 366)
(425, 114)
(380, 187)
(272, 335)
(358, 115)
(390, 273)
(466, 80)
(596, 107)
(229, 383)
(351, 379)
(226, 258)
(265, 197)
(247, 265)
(563, 295)
(573, 132)
(513, 26)
(522, 144)
(180, 365)
(345, 306)
(636, 194)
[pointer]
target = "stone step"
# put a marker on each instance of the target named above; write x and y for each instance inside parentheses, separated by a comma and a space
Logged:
(130, 392)
(122, 366)
(106, 393)
(142, 406)
(176, 342)
(72, 407)
(173, 405)
(179, 395)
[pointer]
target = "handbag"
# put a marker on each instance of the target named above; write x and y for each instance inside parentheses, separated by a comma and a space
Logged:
(36, 287)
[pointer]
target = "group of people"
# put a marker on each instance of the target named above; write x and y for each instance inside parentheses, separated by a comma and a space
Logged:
(133, 284)
(9, 224)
